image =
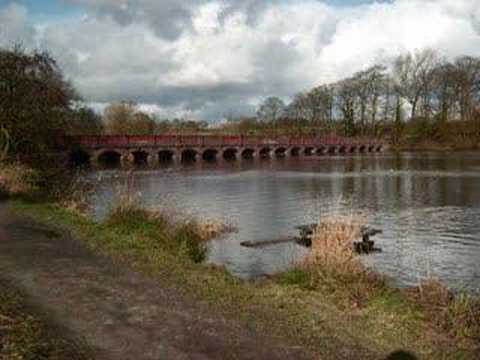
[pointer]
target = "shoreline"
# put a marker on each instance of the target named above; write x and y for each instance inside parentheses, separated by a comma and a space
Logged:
(299, 311)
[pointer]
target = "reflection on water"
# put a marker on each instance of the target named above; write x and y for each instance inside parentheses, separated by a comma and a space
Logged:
(427, 204)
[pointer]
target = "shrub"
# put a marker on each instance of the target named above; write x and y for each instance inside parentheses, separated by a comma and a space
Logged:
(18, 179)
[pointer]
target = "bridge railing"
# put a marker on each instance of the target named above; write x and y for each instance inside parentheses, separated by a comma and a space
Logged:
(214, 141)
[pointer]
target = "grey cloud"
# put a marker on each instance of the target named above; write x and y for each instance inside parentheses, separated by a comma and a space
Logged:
(169, 18)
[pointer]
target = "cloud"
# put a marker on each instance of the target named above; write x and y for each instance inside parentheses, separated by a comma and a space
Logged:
(208, 58)
(15, 26)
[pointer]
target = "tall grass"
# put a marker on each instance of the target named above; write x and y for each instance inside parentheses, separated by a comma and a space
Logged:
(456, 314)
(186, 237)
(17, 179)
(332, 245)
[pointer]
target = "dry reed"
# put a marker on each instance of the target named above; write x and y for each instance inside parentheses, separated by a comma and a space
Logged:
(332, 245)
(17, 179)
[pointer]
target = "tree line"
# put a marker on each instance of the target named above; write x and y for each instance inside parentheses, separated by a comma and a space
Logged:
(419, 96)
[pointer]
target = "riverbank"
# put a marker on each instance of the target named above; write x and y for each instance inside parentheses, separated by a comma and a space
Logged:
(427, 145)
(333, 318)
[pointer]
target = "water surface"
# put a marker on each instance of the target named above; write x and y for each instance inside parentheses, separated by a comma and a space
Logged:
(427, 204)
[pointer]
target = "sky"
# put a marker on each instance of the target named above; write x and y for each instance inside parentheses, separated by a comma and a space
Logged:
(209, 59)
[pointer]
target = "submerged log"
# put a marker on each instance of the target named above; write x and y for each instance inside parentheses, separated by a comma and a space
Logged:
(265, 243)
(365, 246)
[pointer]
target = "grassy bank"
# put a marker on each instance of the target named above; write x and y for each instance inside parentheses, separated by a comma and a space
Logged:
(335, 315)
(25, 334)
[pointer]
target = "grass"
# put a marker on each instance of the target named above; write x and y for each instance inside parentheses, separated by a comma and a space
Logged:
(26, 335)
(342, 315)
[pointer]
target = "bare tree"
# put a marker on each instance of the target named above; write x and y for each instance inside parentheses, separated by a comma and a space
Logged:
(271, 109)
(346, 101)
(468, 84)
(413, 73)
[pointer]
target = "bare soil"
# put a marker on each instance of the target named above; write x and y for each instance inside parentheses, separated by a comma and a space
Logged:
(119, 313)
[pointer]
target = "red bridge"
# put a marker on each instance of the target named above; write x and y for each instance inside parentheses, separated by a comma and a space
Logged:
(186, 148)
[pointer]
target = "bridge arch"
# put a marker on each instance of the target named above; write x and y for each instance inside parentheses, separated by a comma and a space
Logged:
(308, 151)
(140, 157)
(210, 155)
(342, 149)
(361, 149)
(280, 152)
(378, 148)
(265, 152)
(332, 149)
(295, 151)
(321, 150)
(189, 156)
(371, 148)
(109, 158)
(352, 149)
(166, 156)
(248, 153)
(230, 154)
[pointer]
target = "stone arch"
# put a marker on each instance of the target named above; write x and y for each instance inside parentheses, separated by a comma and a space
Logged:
(352, 149)
(248, 153)
(79, 157)
(230, 154)
(166, 156)
(361, 149)
(332, 149)
(342, 149)
(140, 157)
(379, 148)
(321, 150)
(189, 155)
(295, 151)
(109, 158)
(280, 152)
(210, 155)
(371, 148)
(265, 152)
(308, 151)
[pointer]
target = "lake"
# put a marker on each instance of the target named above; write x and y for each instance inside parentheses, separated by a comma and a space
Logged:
(427, 204)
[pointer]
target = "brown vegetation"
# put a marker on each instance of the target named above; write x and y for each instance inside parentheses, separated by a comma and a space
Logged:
(456, 314)
(17, 179)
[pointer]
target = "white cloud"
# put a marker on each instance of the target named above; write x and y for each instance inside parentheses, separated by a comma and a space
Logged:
(209, 58)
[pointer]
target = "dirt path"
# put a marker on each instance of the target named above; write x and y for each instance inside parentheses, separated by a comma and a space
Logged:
(120, 313)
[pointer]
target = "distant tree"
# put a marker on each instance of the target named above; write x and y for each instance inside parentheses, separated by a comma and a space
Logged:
(346, 101)
(118, 118)
(142, 124)
(413, 73)
(271, 109)
(467, 80)
(85, 121)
